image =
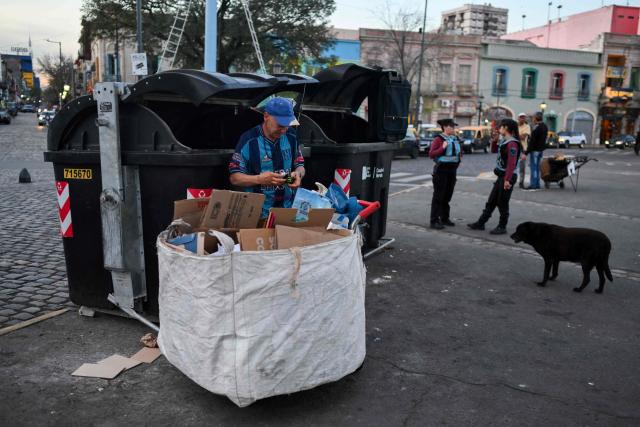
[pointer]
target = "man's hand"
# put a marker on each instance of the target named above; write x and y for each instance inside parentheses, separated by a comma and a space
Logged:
(298, 180)
(523, 156)
(444, 144)
(270, 178)
(507, 185)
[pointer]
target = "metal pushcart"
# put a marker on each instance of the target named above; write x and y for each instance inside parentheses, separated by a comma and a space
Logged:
(559, 167)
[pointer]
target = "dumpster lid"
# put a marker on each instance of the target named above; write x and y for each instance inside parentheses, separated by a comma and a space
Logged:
(198, 86)
(343, 86)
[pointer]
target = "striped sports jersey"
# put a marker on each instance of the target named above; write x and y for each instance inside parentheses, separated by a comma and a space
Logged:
(255, 154)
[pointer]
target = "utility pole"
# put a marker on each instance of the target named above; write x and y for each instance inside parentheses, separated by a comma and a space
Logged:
(139, 27)
(210, 35)
(418, 92)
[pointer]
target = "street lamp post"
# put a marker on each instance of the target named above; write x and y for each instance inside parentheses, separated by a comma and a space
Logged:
(543, 106)
(418, 93)
(549, 22)
(61, 70)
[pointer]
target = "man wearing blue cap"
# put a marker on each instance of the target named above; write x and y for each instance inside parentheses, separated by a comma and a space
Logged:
(266, 154)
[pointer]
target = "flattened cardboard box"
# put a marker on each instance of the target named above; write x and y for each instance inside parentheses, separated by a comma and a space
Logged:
(190, 210)
(317, 217)
(232, 209)
(258, 239)
(291, 237)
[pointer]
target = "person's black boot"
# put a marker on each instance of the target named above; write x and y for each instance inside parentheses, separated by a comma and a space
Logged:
(437, 225)
(499, 230)
(448, 223)
(476, 226)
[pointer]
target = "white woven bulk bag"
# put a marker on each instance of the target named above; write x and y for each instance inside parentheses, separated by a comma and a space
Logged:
(250, 325)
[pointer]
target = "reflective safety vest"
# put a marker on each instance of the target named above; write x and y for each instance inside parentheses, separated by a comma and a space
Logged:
(503, 155)
(452, 152)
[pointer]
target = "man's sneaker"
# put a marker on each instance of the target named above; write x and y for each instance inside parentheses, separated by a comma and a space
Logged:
(522, 185)
(476, 226)
(449, 223)
(498, 230)
(437, 226)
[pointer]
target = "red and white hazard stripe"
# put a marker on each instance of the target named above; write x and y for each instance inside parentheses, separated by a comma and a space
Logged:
(198, 193)
(64, 208)
(342, 178)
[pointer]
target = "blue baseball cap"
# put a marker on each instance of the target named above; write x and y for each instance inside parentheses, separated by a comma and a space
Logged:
(282, 110)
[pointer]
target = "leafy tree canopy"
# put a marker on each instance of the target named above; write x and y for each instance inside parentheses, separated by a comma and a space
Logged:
(289, 31)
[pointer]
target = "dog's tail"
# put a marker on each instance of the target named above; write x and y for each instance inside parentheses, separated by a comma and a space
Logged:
(608, 273)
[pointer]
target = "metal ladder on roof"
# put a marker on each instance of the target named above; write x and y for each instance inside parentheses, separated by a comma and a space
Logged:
(170, 48)
(254, 36)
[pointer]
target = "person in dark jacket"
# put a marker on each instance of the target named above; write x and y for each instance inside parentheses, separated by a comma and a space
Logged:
(535, 148)
(506, 169)
(446, 153)
(636, 146)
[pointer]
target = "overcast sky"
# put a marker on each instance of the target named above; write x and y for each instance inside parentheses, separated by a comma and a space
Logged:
(59, 20)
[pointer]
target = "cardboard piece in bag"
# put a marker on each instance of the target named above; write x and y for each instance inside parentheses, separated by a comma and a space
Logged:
(190, 210)
(257, 239)
(232, 209)
(291, 237)
(317, 217)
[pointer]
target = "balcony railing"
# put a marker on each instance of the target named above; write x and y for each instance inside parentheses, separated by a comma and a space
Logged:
(499, 91)
(556, 93)
(583, 95)
(528, 92)
(465, 90)
(444, 87)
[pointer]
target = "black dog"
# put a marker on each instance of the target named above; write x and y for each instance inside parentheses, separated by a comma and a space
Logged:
(590, 248)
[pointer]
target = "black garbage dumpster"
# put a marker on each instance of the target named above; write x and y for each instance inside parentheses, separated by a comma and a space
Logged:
(339, 138)
(178, 130)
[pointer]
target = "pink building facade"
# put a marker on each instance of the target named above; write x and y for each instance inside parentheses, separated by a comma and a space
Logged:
(578, 31)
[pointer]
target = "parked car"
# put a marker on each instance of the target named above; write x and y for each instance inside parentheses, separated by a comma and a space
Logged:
(28, 108)
(568, 139)
(45, 117)
(426, 138)
(12, 107)
(621, 141)
(5, 117)
(409, 145)
(475, 138)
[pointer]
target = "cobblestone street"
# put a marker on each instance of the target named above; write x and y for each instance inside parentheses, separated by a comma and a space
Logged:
(32, 268)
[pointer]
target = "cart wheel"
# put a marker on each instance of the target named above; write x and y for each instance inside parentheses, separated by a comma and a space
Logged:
(546, 184)
(561, 184)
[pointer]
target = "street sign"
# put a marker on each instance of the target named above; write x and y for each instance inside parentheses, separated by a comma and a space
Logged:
(139, 64)
(19, 49)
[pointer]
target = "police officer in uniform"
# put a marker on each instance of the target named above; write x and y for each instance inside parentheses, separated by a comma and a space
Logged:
(445, 151)
(509, 150)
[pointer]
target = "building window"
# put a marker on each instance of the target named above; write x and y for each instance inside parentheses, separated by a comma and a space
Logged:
(635, 79)
(529, 82)
(500, 79)
(444, 78)
(464, 74)
(557, 85)
(584, 86)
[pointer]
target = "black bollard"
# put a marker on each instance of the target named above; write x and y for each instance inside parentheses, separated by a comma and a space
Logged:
(24, 177)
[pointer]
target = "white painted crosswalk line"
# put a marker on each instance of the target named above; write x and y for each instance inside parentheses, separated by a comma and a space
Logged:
(414, 178)
(399, 174)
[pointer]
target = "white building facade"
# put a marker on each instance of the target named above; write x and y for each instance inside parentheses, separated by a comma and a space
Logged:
(517, 77)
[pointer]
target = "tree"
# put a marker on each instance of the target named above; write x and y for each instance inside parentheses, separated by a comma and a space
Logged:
(58, 74)
(288, 31)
